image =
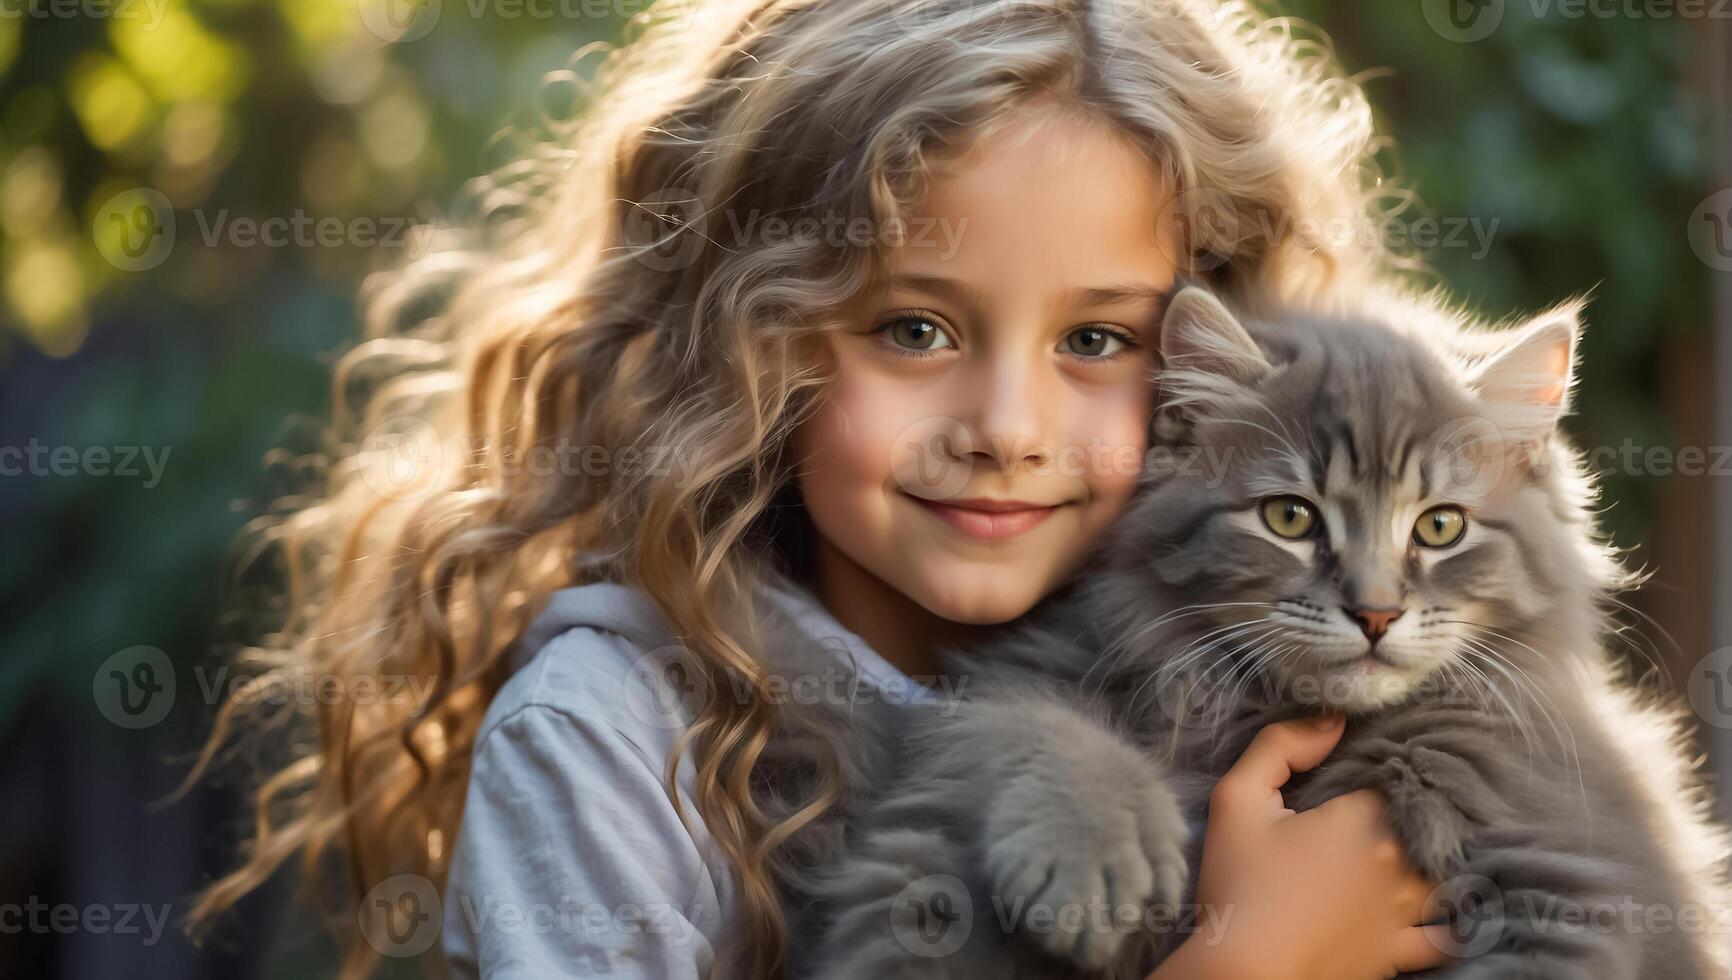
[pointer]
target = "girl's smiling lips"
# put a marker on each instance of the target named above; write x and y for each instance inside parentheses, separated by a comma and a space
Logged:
(986, 518)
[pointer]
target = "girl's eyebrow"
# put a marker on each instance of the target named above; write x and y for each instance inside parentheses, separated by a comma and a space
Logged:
(945, 286)
(962, 292)
(1128, 292)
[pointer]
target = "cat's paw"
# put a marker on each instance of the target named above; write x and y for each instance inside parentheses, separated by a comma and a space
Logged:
(1077, 868)
(1435, 800)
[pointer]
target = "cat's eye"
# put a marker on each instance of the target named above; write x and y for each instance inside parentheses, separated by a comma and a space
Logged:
(1095, 341)
(1439, 527)
(1290, 516)
(915, 334)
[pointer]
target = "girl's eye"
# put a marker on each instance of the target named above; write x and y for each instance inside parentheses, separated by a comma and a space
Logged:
(1094, 342)
(1439, 527)
(915, 335)
(1290, 516)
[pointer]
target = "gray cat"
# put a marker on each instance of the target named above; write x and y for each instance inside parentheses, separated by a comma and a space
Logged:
(1338, 513)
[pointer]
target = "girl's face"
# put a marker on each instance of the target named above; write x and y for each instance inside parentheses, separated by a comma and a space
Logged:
(990, 404)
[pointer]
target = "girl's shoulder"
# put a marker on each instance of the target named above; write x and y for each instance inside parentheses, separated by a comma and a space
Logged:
(570, 855)
(601, 655)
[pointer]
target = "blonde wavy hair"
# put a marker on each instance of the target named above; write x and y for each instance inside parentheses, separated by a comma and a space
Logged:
(602, 297)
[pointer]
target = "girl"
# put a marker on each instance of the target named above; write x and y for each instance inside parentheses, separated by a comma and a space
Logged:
(837, 307)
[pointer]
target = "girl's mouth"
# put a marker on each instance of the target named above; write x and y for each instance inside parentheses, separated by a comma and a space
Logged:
(986, 518)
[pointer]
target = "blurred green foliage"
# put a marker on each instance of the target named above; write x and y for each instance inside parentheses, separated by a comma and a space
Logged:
(237, 112)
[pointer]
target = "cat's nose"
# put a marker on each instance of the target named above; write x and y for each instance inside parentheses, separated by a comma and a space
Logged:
(1375, 622)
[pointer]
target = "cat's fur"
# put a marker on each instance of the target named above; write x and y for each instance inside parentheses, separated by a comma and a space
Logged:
(1519, 766)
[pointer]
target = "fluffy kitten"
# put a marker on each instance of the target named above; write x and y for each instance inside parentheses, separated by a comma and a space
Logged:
(1338, 513)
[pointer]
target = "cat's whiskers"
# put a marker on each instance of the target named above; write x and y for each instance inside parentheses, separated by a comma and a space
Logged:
(1541, 700)
(1171, 671)
(1243, 652)
(1253, 655)
(1514, 717)
(1573, 761)
(1156, 680)
(1130, 644)
(1523, 685)
(1190, 652)
(1258, 662)
(1539, 693)
(1511, 669)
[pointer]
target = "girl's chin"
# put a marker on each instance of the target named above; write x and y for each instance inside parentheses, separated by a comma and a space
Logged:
(984, 600)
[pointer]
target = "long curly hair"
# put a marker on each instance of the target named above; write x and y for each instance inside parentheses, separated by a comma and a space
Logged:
(608, 301)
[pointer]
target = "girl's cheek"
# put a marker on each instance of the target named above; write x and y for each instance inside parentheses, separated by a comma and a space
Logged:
(1110, 431)
(849, 443)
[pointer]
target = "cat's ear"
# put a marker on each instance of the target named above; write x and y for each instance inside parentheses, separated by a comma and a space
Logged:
(1530, 378)
(1202, 340)
(1208, 361)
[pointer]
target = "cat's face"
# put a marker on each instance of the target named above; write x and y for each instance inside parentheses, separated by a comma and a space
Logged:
(1349, 513)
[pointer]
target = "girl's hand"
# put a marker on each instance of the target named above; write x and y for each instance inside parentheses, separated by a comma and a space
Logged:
(1322, 894)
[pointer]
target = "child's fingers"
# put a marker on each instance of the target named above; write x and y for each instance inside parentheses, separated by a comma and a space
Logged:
(1421, 948)
(1250, 793)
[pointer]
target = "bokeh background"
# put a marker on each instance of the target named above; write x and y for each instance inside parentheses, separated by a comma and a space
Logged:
(156, 357)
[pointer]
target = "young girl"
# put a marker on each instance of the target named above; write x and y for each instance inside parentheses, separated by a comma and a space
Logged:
(838, 306)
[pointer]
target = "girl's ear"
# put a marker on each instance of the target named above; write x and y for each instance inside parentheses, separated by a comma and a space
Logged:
(1528, 381)
(1201, 338)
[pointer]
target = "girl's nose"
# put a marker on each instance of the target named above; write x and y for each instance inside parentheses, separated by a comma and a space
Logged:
(1010, 409)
